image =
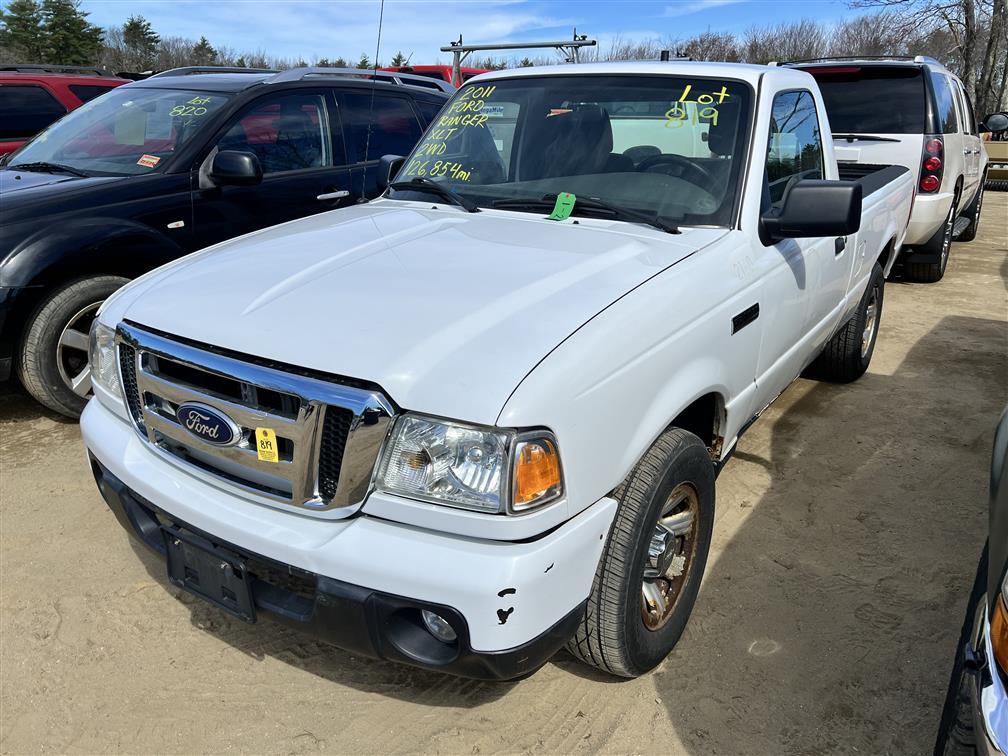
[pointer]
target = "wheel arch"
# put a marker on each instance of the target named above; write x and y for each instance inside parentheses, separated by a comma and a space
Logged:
(49, 258)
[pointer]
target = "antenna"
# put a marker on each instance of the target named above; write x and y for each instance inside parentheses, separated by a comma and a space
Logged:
(374, 80)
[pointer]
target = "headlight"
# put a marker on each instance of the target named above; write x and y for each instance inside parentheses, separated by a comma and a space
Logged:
(486, 469)
(102, 356)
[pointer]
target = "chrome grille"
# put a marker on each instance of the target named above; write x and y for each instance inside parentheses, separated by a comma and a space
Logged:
(329, 435)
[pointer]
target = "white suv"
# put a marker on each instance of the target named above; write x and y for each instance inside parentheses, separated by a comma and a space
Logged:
(912, 112)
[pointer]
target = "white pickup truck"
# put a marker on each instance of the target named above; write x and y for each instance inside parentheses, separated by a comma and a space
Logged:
(481, 417)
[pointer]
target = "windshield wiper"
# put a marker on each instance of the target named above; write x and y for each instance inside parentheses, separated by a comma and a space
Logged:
(420, 184)
(43, 167)
(864, 138)
(590, 203)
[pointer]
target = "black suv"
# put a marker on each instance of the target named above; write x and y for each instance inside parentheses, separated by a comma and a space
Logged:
(158, 168)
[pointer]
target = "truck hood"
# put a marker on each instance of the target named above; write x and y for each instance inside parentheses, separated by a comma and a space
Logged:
(447, 311)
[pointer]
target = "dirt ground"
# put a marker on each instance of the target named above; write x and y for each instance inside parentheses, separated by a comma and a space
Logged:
(848, 530)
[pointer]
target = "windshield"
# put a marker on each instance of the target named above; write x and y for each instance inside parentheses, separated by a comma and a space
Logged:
(667, 146)
(125, 132)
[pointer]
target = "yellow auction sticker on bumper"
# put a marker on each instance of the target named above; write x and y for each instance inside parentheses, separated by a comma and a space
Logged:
(266, 445)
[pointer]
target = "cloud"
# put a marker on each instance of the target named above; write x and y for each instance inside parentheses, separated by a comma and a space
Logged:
(689, 7)
(320, 28)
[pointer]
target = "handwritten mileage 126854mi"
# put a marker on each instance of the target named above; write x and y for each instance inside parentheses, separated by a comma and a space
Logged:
(464, 113)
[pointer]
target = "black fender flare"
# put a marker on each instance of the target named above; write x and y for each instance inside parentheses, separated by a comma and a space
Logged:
(95, 245)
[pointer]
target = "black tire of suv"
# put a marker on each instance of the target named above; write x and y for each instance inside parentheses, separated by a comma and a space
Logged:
(973, 213)
(612, 635)
(845, 359)
(37, 355)
(940, 244)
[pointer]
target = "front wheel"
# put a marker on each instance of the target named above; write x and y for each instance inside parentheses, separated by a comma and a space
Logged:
(52, 360)
(649, 575)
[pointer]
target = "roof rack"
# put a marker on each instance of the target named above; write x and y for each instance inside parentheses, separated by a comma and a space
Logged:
(911, 58)
(391, 77)
(196, 70)
(46, 68)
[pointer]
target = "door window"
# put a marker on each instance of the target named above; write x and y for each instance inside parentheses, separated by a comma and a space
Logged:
(25, 110)
(86, 92)
(945, 105)
(429, 110)
(389, 127)
(968, 116)
(795, 147)
(287, 133)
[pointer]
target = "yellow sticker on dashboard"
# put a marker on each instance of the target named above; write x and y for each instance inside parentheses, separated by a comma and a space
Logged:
(266, 445)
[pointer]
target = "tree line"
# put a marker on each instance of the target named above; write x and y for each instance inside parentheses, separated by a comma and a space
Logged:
(968, 36)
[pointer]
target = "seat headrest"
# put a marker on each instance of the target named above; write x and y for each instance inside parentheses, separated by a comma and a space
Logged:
(580, 141)
(721, 136)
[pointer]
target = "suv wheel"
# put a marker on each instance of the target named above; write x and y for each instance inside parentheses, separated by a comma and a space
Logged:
(648, 577)
(940, 244)
(52, 361)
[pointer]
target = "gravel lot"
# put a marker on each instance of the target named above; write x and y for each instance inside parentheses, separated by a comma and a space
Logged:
(849, 527)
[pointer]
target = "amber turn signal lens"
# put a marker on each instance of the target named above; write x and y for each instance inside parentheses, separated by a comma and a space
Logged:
(999, 633)
(536, 473)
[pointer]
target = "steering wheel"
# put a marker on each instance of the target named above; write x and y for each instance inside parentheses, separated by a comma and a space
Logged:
(689, 171)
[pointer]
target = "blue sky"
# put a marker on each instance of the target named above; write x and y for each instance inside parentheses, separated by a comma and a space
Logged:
(329, 28)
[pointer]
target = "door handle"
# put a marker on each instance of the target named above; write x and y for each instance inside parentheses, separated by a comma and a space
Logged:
(334, 195)
(839, 245)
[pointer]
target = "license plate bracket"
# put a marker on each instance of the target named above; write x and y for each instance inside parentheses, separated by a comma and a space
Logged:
(214, 574)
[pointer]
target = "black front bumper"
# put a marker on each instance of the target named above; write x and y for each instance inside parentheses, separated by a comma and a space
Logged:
(355, 618)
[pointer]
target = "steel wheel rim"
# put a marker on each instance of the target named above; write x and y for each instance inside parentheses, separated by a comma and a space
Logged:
(72, 351)
(871, 320)
(669, 556)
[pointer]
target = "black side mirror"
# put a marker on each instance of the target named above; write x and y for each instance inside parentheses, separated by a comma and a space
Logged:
(814, 208)
(995, 123)
(388, 167)
(235, 168)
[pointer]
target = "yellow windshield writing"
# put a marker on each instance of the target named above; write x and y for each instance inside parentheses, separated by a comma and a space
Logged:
(704, 107)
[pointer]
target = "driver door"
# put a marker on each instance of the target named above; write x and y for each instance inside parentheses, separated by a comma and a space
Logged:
(296, 137)
(793, 268)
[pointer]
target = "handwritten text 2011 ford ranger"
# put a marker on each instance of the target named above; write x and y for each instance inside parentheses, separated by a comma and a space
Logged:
(481, 417)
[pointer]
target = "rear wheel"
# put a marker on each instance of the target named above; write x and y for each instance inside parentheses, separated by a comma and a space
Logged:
(848, 354)
(649, 575)
(940, 244)
(973, 213)
(52, 361)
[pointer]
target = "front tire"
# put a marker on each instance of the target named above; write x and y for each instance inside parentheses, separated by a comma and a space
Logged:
(649, 575)
(52, 359)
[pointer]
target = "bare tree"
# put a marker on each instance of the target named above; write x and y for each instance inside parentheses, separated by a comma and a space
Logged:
(796, 41)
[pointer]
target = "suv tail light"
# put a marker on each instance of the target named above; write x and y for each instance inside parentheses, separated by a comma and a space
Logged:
(932, 164)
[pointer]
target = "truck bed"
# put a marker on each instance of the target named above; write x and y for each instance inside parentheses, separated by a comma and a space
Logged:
(871, 177)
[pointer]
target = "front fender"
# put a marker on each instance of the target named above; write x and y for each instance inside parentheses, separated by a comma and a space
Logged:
(616, 384)
(88, 245)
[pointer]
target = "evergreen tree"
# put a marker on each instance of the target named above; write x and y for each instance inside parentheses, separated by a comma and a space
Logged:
(141, 42)
(399, 59)
(21, 31)
(341, 62)
(364, 62)
(69, 38)
(526, 63)
(203, 54)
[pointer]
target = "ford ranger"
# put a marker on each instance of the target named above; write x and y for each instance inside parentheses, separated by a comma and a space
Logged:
(481, 417)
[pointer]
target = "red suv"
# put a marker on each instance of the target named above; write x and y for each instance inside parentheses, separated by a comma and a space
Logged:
(444, 73)
(32, 97)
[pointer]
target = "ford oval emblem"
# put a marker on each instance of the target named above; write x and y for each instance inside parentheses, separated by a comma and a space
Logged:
(208, 424)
